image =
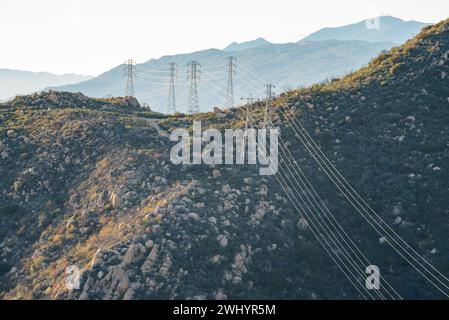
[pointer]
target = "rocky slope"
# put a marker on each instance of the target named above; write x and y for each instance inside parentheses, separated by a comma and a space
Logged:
(385, 127)
(88, 182)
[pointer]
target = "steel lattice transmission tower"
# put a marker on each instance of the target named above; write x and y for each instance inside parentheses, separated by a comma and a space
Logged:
(249, 101)
(193, 75)
(171, 107)
(230, 87)
(129, 73)
(270, 95)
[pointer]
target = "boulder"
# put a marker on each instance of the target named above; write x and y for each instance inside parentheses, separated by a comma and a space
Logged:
(194, 216)
(116, 200)
(151, 260)
(128, 258)
(303, 224)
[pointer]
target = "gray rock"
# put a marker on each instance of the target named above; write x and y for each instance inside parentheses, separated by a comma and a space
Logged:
(303, 224)
(194, 216)
(220, 296)
(212, 220)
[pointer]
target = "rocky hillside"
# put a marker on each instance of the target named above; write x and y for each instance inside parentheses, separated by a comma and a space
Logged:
(385, 127)
(88, 182)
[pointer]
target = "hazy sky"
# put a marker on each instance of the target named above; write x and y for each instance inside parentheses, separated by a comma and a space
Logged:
(92, 36)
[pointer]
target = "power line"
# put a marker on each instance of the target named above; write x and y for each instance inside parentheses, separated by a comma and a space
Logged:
(317, 232)
(375, 221)
(306, 188)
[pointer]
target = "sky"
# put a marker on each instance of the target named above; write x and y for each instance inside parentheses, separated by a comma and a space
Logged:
(92, 36)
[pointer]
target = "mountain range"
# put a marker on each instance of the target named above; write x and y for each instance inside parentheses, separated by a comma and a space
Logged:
(321, 56)
(15, 82)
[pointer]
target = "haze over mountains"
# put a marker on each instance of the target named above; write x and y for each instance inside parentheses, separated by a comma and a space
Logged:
(328, 53)
(285, 65)
(14, 82)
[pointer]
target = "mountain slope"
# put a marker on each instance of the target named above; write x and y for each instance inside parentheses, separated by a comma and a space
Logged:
(381, 29)
(94, 187)
(384, 127)
(16, 82)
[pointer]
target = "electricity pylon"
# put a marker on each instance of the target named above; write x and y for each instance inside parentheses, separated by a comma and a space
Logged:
(193, 75)
(129, 73)
(270, 94)
(230, 87)
(249, 101)
(171, 107)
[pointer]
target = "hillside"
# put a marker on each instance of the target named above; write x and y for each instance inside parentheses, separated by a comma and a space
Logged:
(381, 29)
(92, 185)
(15, 82)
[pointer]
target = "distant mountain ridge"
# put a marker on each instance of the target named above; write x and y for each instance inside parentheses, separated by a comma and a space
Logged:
(380, 29)
(233, 47)
(15, 82)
